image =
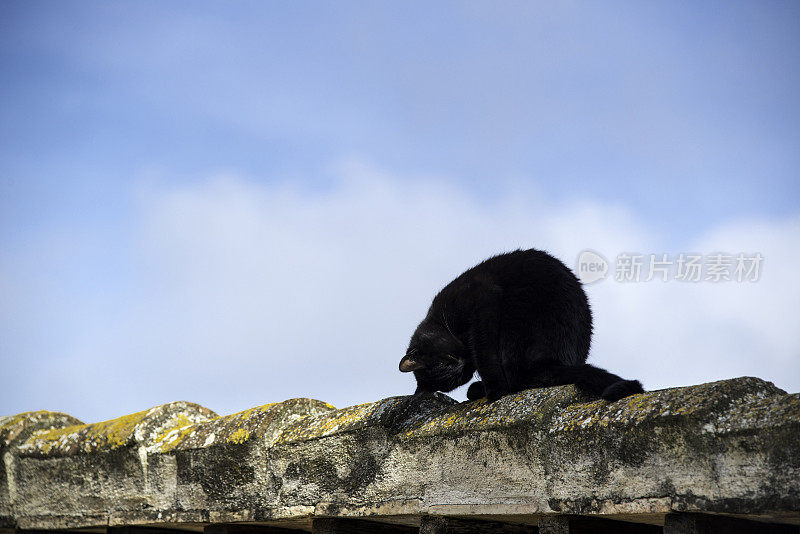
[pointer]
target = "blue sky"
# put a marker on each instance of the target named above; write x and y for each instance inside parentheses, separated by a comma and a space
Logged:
(185, 186)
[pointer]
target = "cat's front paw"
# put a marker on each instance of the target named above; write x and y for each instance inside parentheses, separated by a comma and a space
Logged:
(622, 389)
(476, 391)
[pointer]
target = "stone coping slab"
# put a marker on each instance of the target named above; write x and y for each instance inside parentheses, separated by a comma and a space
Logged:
(726, 447)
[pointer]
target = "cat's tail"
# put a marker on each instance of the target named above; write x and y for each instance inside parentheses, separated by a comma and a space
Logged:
(621, 389)
(595, 381)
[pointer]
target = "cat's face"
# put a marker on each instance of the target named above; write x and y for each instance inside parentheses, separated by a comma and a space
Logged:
(438, 359)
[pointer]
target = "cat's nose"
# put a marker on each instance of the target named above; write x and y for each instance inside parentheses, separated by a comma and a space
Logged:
(407, 365)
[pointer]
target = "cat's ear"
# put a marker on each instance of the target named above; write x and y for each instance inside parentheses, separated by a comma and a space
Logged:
(408, 364)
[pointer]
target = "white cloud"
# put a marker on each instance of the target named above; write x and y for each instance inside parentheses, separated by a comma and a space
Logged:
(247, 293)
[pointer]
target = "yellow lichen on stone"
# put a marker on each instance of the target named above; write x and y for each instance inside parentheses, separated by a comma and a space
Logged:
(240, 436)
(20, 426)
(116, 432)
(110, 434)
(565, 409)
(11, 424)
(525, 407)
(319, 425)
(261, 422)
(140, 427)
(9, 421)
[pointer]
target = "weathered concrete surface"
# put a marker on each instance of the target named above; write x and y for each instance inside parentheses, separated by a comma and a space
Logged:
(727, 447)
(14, 430)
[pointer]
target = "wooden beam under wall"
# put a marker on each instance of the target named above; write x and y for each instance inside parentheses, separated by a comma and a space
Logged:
(143, 530)
(452, 525)
(248, 529)
(329, 525)
(567, 524)
(713, 524)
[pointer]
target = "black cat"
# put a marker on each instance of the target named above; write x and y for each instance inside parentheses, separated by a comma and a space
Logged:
(522, 320)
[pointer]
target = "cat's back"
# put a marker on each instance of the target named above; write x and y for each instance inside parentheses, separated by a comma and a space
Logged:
(526, 268)
(531, 274)
(536, 285)
(543, 305)
(537, 300)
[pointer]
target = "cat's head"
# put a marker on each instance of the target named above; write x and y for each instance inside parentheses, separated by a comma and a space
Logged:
(440, 361)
